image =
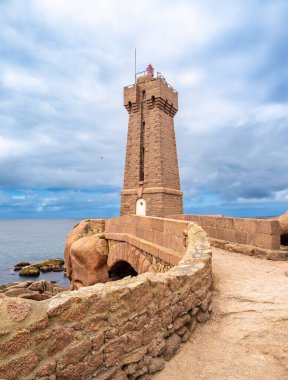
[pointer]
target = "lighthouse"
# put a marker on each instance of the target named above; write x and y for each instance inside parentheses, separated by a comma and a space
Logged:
(151, 183)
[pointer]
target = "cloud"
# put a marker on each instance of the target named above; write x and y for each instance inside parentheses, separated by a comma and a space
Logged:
(62, 68)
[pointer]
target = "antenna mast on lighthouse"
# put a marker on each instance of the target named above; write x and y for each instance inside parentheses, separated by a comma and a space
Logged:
(135, 67)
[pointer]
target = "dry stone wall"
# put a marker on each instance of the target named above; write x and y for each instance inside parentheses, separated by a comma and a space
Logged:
(121, 330)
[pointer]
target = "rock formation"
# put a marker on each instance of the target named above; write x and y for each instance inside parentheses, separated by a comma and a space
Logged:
(88, 258)
(33, 270)
(38, 291)
(86, 254)
(283, 221)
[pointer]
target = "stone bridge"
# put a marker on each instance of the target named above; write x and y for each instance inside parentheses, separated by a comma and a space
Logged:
(99, 250)
(124, 329)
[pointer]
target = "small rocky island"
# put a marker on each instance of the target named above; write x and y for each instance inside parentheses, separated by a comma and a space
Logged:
(33, 270)
(31, 289)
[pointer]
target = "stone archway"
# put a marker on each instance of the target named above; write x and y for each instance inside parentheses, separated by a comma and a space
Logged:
(122, 251)
(121, 269)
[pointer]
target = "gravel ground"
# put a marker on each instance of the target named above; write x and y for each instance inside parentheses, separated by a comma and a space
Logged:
(247, 336)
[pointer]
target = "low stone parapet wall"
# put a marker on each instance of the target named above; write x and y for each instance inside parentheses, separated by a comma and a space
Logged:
(262, 233)
(158, 251)
(118, 330)
(161, 231)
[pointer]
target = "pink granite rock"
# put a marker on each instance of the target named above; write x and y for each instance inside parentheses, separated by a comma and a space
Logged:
(283, 221)
(88, 260)
(80, 230)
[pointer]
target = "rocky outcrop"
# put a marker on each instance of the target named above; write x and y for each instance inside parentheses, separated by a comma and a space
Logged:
(38, 291)
(29, 271)
(82, 229)
(33, 270)
(21, 265)
(283, 221)
(88, 258)
(86, 262)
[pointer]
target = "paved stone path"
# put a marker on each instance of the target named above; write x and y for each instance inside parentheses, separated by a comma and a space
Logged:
(247, 337)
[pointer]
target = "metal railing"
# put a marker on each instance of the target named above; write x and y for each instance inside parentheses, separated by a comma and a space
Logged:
(159, 75)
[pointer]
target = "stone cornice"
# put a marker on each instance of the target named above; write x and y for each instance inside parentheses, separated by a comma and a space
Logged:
(152, 190)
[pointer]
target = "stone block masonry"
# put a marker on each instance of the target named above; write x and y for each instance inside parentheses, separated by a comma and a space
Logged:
(151, 165)
(259, 237)
(118, 330)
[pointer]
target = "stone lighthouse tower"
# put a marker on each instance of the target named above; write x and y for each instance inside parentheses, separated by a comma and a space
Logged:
(151, 179)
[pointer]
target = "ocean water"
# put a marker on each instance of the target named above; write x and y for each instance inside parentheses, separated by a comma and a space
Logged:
(32, 240)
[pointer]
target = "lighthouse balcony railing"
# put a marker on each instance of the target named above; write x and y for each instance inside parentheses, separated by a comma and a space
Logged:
(159, 75)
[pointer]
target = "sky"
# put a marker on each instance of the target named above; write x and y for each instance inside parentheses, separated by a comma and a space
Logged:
(63, 127)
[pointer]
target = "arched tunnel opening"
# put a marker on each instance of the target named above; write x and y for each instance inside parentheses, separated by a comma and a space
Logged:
(284, 239)
(120, 270)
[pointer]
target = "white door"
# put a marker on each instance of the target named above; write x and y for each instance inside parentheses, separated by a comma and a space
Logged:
(141, 207)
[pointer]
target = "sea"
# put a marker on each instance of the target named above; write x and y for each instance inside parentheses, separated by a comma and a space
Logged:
(32, 240)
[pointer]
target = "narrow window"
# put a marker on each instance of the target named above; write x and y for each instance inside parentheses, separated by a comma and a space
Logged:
(142, 152)
(130, 106)
(143, 95)
(153, 101)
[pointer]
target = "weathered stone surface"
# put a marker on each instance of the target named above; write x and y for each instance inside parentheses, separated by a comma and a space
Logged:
(43, 336)
(29, 271)
(88, 258)
(19, 367)
(106, 373)
(20, 341)
(173, 343)
(18, 309)
(155, 365)
(60, 339)
(92, 362)
(74, 353)
(141, 370)
(283, 221)
(203, 316)
(39, 324)
(181, 331)
(135, 357)
(97, 341)
(76, 312)
(20, 265)
(84, 228)
(47, 368)
(58, 305)
(185, 336)
(38, 291)
(121, 347)
(181, 321)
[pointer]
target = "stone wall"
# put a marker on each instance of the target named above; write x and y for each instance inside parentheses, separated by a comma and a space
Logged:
(160, 231)
(117, 330)
(262, 233)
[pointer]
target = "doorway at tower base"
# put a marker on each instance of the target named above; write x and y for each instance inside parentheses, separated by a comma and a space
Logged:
(159, 202)
(141, 207)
